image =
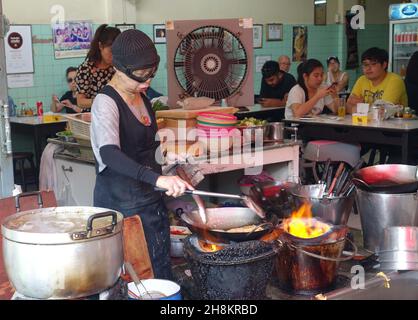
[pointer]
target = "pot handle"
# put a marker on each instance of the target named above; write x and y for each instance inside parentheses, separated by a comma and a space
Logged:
(28, 194)
(102, 215)
(313, 255)
(98, 232)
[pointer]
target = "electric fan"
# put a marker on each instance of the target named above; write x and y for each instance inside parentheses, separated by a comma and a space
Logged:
(210, 58)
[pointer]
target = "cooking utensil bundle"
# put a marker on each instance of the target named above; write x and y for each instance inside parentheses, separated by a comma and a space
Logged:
(337, 179)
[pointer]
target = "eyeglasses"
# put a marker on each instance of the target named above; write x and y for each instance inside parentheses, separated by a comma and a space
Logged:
(69, 80)
(367, 65)
(144, 75)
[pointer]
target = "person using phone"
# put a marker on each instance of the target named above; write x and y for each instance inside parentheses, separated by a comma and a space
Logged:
(68, 101)
(335, 75)
(310, 96)
(275, 85)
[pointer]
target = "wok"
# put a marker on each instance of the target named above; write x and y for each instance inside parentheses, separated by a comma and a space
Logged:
(387, 178)
(219, 220)
(274, 196)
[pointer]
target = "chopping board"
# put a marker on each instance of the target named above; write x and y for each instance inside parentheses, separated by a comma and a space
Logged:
(192, 114)
(135, 249)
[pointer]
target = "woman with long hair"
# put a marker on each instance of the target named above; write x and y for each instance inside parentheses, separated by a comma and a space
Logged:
(97, 70)
(309, 96)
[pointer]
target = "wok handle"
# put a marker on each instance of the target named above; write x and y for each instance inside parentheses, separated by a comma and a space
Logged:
(361, 182)
(207, 194)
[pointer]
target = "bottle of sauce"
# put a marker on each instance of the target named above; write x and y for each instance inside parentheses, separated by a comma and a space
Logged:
(39, 109)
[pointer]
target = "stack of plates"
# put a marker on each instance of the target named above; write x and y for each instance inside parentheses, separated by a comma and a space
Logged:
(216, 130)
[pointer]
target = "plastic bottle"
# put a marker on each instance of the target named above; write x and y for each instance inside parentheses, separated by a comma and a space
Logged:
(39, 109)
(402, 72)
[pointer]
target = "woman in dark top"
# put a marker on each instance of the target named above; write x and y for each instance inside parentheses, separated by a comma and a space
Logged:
(411, 82)
(97, 70)
(69, 100)
(123, 131)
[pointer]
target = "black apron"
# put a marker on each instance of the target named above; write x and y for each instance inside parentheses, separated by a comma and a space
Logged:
(129, 196)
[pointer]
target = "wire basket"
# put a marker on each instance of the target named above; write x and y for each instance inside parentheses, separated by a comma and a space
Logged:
(79, 125)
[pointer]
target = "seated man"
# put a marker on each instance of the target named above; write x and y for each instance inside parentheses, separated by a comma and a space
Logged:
(275, 85)
(284, 63)
(377, 83)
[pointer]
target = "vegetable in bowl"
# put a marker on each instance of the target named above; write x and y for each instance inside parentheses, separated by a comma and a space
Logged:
(252, 122)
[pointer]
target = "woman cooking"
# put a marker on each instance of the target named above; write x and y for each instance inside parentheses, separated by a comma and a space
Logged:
(97, 70)
(123, 131)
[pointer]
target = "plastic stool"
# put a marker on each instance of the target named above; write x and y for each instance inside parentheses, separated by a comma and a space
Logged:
(19, 159)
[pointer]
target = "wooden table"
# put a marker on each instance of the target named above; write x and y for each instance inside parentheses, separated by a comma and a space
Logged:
(392, 132)
(38, 130)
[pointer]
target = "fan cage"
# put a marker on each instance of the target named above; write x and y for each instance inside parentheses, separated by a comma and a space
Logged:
(211, 61)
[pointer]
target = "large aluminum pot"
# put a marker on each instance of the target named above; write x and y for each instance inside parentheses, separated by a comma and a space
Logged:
(379, 211)
(63, 252)
(335, 210)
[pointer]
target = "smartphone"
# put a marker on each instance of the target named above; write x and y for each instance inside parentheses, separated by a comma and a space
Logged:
(334, 84)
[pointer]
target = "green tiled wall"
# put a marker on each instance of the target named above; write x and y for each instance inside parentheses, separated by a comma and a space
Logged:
(323, 41)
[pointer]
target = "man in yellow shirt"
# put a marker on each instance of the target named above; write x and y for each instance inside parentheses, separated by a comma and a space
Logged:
(377, 83)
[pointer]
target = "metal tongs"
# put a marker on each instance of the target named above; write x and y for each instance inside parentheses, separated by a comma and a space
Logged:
(247, 200)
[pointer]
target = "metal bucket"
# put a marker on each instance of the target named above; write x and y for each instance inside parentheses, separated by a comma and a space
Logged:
(379, 211)
(399, 249)
(334, 210)
(307, 267)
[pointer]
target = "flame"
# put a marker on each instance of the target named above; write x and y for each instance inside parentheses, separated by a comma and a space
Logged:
(209, 247)
(302, 225)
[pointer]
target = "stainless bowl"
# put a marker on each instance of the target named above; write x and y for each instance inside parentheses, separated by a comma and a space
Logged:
(176, 248)
(250, 134)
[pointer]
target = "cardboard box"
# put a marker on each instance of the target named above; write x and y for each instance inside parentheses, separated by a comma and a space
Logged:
(359, 118)
(47, 118)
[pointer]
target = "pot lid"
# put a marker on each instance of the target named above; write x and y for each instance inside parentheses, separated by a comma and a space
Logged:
(61, 225)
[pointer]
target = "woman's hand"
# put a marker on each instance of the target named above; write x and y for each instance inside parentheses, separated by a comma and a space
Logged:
(174, 185)
(323, 92)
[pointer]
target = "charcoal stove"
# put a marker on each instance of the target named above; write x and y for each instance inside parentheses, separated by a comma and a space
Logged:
(234, 271)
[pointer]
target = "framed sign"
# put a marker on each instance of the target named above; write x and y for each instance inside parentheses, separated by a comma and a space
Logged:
(300, 43)
(18, 49)
(320, 13)
(257, 36)
(124, 27)
(159, 33)
(274, 32)
(72, 39)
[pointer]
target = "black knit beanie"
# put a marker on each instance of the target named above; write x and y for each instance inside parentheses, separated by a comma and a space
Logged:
(134, 50)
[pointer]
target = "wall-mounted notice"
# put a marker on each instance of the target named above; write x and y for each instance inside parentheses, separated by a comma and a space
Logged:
(15, 81)
(72, 39)
(260, 61)
(18, 47)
